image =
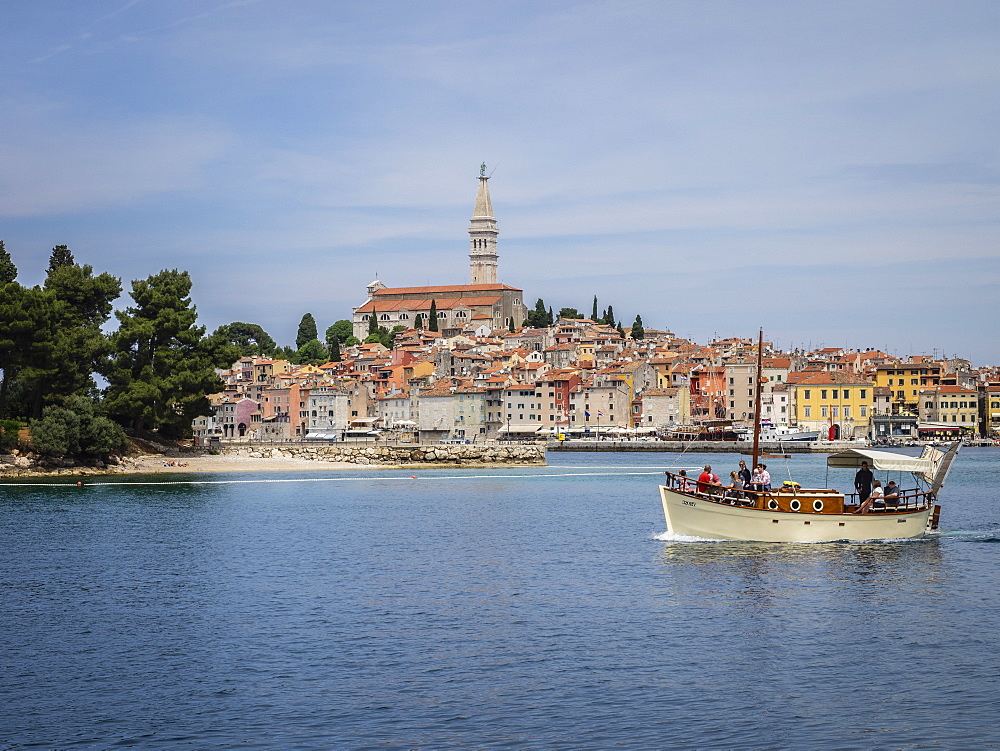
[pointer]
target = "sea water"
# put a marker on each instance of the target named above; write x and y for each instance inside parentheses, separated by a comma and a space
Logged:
(510, 608)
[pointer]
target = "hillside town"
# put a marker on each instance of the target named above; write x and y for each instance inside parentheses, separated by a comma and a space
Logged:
(579, 378)
(464, 366)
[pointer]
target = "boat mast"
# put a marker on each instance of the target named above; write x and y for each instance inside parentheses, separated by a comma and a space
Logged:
(756, 400)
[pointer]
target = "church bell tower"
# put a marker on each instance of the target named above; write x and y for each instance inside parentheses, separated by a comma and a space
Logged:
(483, 236)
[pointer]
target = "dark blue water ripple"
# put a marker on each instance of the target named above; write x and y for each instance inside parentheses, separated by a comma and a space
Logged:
(524, 610)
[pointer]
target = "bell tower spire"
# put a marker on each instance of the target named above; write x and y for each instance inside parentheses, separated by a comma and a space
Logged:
(483, 235)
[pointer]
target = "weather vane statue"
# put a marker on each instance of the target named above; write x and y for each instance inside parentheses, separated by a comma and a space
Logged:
(482, 169)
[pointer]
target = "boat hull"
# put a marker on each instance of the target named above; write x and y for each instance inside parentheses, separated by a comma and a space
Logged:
(694, 516)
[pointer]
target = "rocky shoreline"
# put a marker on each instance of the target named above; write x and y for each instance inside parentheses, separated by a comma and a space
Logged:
(278, 458)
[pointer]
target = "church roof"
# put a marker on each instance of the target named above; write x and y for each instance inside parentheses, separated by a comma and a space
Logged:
(445, 289)
(386, 306)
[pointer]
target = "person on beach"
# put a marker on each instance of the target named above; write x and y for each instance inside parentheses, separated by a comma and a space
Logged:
(863, 482)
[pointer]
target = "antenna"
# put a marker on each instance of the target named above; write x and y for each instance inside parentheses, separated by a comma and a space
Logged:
(494, 169)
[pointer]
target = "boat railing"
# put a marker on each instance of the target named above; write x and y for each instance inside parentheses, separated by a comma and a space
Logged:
(907, 500)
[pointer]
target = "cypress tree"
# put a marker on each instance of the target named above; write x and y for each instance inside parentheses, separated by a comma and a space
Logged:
(335, 350)
(638, 332)
(550, 319)
(418, 322)
(593, 315)
(8, 271)
(510, 326)
(307, 331)
(433, 316)
(372, 324)
(609, 316)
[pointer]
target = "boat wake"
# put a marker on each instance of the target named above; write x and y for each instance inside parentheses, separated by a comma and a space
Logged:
(673, 537)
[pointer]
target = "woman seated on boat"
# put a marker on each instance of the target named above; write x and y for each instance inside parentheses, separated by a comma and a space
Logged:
(876, 501)
(734, 490)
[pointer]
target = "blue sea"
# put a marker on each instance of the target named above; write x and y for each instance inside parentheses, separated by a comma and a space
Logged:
(540, 608)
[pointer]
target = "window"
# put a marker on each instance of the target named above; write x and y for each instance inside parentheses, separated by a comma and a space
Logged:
(823, 412)
(913, 381)
(847, 413)
(822, 393)
(807, 412)
(835, 392)
(807, 394)
(836, 413)
(863, 393)
(847, 393)
(864, 411)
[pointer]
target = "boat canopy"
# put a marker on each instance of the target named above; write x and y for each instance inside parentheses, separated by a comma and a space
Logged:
(882, 460)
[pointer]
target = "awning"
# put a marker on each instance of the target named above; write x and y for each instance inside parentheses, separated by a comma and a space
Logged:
(932, 428)
(881, 460)
(321, 436)
(519, 428)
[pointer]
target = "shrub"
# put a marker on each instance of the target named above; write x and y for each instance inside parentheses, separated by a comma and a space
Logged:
(75, 429)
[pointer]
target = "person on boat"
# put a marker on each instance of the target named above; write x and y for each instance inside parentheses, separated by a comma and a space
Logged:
(892, 493)
(708, 480)
(863, 482)
(744, 474)
(876, 501)
(765, 477)
(734, 490)
(684, 483)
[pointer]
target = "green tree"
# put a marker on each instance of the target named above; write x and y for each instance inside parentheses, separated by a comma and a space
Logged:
(163, 365)
(609, 316)
(339, 331)
(312, 351)
(75, 428)
(82, 305)
(8, 271)
(372, 323)
(637, 330)
(593, 315)
(550, 319)
(432, 317)
(570, 313)
(352, 341)
(538, 318)
(418, 322)
(621, 330)
(334, 350)
(249, 338)
(60, 256)
(510, 324)
(307, 330)
(27, 338)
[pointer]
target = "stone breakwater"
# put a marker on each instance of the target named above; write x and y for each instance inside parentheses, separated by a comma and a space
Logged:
(454, 455)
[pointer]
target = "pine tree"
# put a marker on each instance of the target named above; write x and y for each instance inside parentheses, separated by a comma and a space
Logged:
(307, 331)
(164, 365)
(8, 271)
(637, 330)
(433, 316)
(537, 317)
(61, 256)
(250, 338)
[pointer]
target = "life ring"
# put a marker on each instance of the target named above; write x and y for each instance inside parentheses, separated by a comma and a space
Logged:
(817, 505)
(772, 505)
(795, 505)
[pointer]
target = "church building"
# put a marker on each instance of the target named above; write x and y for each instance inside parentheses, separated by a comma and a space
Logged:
(457, 304)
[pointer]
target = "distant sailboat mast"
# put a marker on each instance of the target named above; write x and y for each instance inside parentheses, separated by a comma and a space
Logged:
(756, 399)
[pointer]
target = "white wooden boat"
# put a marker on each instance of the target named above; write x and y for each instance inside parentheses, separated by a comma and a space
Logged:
(794, 514)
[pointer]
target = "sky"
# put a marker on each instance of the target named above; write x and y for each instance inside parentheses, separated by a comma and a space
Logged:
(826, 171)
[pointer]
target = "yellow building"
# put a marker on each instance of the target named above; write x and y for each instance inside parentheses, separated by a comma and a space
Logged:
(835, 399)
(904, 381)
